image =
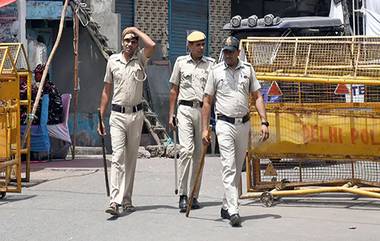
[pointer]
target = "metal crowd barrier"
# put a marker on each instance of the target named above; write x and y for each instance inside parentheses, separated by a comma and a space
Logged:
(323, 102)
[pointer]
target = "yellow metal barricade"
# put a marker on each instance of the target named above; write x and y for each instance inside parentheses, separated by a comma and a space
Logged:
(18, 54)
(323, 103)
(10, 158)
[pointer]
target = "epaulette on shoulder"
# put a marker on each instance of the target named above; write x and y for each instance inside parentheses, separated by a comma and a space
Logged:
(218, 65)
(114, 56)
(247, 64)
(209, 59)
(181, 58)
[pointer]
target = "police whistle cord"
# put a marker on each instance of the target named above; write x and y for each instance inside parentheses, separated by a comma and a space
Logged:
(101, 128)
(42, 83)
(197, 177)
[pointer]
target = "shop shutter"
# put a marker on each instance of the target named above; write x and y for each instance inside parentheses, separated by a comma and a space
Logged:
(185, 15)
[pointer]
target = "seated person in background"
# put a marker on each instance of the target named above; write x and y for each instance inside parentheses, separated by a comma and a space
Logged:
(55, 101)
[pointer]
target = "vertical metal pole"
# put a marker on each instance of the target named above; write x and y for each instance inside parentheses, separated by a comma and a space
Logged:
(75, 99)
(175, 160)
(364, 6)
(353, 17)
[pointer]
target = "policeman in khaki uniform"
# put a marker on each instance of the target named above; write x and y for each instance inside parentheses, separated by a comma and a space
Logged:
(125, 74)
(188, 79)
(231, 83)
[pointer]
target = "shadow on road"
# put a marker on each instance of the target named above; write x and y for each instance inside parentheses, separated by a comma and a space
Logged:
(15, 198)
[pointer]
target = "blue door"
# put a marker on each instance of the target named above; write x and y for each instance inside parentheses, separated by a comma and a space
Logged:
(126, 9)
(185, 16)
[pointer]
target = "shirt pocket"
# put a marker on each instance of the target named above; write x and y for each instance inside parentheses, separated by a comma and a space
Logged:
(117, 75)
(244, 83)
(186, 79)
(224, 86)
(202, 77)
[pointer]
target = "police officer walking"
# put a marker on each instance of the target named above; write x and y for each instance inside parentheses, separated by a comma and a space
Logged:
(188, 80)
(125, 74)
(231, 82)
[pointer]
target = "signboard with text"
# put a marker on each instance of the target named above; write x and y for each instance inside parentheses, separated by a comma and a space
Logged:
(318, 135)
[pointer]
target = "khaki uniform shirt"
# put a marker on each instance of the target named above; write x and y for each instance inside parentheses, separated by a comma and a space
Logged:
(191, 76)
(232, 88)
(127, 78)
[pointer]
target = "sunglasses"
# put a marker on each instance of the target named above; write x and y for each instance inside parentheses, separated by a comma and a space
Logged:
(131, 40)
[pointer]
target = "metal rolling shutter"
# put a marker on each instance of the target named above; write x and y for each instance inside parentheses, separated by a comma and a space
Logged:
(126, 10)
(185, 15)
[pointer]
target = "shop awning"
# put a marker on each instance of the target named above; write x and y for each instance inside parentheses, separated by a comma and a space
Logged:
(4, 3)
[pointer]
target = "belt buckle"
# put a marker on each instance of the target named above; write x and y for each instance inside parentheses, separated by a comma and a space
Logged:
(122, 109)
(196, 104)
(134, 108)
(239, 120)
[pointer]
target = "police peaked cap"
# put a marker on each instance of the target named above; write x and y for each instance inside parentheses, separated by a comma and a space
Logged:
(196, 36)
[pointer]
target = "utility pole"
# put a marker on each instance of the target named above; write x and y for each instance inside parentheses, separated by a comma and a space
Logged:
(76, 85)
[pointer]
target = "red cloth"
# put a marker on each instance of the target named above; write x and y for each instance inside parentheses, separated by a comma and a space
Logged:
(4, 3)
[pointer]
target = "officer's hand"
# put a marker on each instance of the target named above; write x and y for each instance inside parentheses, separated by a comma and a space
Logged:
(99, 130)
(206, 137)
(130, 30)
(264, 133)
(172, 122)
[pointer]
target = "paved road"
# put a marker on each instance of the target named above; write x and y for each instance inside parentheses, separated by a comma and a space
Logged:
(66, 201)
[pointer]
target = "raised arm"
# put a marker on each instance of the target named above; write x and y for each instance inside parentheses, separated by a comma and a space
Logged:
(149, 44)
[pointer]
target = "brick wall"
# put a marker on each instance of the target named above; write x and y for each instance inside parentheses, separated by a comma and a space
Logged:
(152, 18)
(220, 14)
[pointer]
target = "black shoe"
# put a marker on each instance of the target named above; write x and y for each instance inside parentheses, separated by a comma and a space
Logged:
(224, 214)
(182, 203)
(129, 208)
(235, 220)
(113, 209)
(195, 204)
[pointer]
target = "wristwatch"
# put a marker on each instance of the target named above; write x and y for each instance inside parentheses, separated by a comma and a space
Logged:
(265, 123)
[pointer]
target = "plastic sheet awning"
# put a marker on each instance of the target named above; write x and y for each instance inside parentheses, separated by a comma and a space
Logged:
(4, 3)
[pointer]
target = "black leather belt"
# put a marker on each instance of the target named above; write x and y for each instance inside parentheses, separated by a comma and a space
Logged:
(191, 103)
(123, 109)
(234, 120)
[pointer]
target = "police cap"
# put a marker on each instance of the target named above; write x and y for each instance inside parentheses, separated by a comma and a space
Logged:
(196, 36)
(231, 43)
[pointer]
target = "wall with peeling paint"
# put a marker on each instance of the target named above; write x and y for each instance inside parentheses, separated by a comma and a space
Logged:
(9, 25)
(103, 13)
(91, 73)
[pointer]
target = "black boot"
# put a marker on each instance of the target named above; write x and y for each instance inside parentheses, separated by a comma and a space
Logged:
(224, 213)
(235, 220)
(195, 204)
(182, 203)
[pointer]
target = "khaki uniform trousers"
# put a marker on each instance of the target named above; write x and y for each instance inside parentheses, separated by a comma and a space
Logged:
(233, 143)
(190, 139)
(125, 131)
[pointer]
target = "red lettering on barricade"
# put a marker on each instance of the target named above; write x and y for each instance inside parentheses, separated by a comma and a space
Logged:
(364, 136)
(354, 135)
(306, 133)
(340, 131)
(333, 134)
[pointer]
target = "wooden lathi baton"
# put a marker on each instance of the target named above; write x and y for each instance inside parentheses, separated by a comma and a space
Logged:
(198, 176)
(104, 154)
